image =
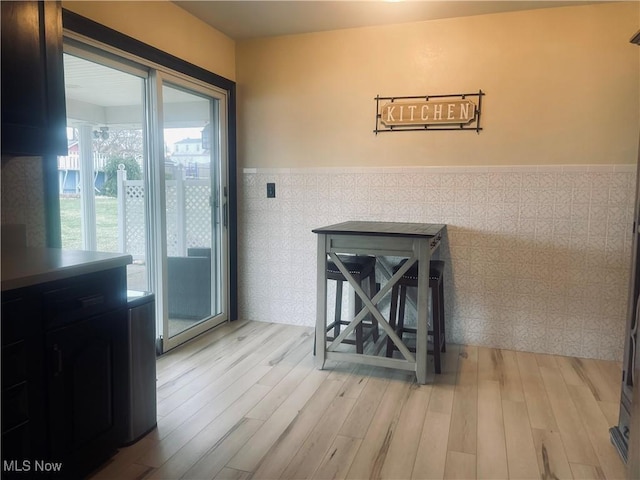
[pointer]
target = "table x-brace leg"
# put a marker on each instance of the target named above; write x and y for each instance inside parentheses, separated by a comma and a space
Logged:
(370, 306)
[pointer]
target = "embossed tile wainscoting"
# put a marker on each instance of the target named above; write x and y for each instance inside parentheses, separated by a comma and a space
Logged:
(537, 257)
(22, 202)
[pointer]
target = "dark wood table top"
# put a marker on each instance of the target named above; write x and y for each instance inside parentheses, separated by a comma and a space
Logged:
(398, 229)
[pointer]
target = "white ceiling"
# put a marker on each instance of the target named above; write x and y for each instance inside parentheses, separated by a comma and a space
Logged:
(98, 95)
(245, 19)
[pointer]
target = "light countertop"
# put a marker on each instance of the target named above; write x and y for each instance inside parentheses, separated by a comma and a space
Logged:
(24, 267)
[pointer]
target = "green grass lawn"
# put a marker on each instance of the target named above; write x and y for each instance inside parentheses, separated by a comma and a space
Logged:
(106, 223)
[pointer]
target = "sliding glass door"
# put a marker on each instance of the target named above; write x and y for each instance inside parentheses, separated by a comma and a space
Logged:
(147, 175)
(194, 247)
(102, 200)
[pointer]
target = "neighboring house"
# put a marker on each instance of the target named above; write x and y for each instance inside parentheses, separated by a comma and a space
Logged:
(190, 154)
(69, 170)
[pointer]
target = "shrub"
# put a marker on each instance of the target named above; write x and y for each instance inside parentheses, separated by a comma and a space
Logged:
(110, 187)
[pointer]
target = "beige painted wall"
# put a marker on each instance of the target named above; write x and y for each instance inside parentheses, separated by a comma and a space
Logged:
(167, 27)
(562, 87)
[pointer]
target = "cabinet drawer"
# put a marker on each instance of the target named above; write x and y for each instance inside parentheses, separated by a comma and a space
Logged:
(15, 406)
(14, 364)
(84, 296)
(21, 315)
(16, 445)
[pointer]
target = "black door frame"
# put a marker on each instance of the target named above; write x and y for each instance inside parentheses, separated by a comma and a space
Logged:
(96, 31)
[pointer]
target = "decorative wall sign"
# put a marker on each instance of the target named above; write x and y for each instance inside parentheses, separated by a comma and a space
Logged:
(429, 112)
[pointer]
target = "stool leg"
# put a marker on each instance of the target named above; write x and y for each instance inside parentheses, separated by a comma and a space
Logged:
(436, 312)
(442, 332)
(403, 304)
(358, 329)
(392, 317)
(338, 312)
(372, 292)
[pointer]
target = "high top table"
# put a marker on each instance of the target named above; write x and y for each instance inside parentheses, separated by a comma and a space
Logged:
(416, 242)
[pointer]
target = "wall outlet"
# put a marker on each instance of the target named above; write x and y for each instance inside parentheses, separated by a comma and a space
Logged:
(271, 190)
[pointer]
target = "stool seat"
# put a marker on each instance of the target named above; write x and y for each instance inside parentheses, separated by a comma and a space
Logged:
(436, 268)
(399, 293)
(361, 267)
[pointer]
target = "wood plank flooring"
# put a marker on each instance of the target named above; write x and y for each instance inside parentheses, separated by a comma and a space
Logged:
(245, 401)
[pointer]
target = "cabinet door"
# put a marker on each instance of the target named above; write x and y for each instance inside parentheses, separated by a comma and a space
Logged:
(33, 102)
(87, 380)
(23, 407)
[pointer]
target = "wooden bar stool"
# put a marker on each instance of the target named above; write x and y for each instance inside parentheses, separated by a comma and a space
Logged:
(361, 268)
(399, 292)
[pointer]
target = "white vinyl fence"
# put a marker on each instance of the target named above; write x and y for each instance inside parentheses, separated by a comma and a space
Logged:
(188, 215)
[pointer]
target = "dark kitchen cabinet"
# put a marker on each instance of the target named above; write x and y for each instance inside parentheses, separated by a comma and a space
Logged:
(64, 373)
(33, 100)
(86, 379)
(23, 408)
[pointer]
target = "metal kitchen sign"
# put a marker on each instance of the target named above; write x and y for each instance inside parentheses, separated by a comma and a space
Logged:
(427, 113)
(432, 112)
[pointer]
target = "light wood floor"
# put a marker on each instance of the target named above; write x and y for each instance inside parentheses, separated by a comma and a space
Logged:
(245, 401)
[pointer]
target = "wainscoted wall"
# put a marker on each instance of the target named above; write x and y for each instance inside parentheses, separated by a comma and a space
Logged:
(22, 197)
(537, 257)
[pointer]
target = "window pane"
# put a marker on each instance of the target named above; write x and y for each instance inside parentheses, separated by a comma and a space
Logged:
(101, 188)
(188, 180)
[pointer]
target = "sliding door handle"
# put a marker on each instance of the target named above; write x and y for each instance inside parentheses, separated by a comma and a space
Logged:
(225, 215)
